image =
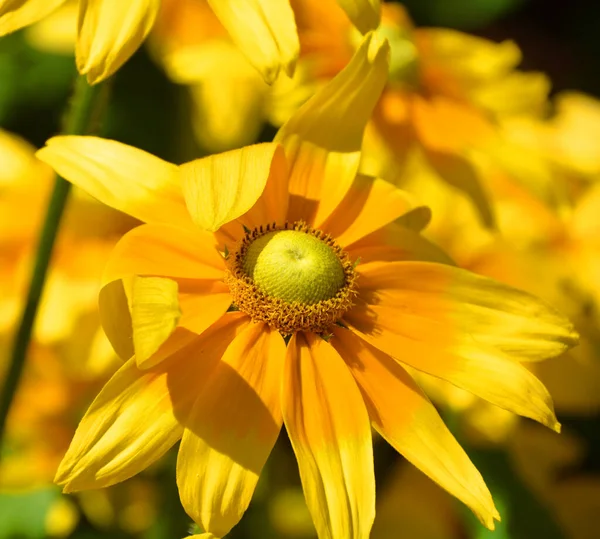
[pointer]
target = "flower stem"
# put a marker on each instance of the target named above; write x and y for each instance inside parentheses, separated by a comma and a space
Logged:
(83, 116)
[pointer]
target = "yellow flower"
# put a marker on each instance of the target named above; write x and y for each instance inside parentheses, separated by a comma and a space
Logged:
(274, 285)
(110, 31)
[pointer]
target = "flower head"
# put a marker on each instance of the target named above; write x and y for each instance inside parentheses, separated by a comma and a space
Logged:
(275, 285)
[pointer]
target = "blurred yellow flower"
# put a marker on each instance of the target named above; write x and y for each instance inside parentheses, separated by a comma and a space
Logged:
(109, 31)
(245, 248)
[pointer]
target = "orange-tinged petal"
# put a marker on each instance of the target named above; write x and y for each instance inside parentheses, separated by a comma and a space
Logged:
(482, 370)
(403, 415)
(323, 139)
(329, 429)
(394, 242)
(265, 30)
(232, 429)
(16, 14)
(364, 14)
(370, 204)
(155, 313)
(165, 251)
(120, 176)
(109, 32)
(138, 415)
(467, 304)
(224, 187)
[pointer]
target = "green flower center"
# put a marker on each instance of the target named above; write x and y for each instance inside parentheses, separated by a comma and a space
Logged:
(294, 266)
(292, 278)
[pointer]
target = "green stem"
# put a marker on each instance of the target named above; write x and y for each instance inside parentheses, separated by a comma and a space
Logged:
(86, 108)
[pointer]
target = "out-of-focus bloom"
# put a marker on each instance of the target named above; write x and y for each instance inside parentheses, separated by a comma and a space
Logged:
(109, 32)
(445, 92)
(547, 201)
(550, 467)
(69, 357)
(230, 100)
(245, 248)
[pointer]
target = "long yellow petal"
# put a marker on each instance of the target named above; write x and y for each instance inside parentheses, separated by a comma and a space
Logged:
(138, 415)
(370, 204)
(224, 187)
(323, 139)
(329, 429)
(364, 14)
(264, 30)
(423, 343)
(16, 14)
(401, 412)
(109, 32)
(120, 176)
(490, 312)
(232, 429)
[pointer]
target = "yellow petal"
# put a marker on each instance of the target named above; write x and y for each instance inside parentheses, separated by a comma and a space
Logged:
(364, 14)
(264, 30)
(490, 312)
(155, 313)
(323, 139)
(404, 416)
(165, 251)
(109, 32)
(16, 14)
(481, 370)
(137, 416)
(329, 429)
(120, 176)
(232, 429)
(223, 187)
(370, 204)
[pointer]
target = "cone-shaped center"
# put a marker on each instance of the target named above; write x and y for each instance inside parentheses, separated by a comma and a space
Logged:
(294, 266)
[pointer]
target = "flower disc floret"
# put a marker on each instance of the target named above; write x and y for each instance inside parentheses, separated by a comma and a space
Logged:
(294, 278)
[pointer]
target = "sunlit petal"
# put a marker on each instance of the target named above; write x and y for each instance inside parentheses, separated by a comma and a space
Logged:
(120, 176)
(16, 14)
(234, 424)
(404, 416)
(328, 426)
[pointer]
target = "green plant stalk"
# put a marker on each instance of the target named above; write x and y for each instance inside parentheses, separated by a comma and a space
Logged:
(83, 117)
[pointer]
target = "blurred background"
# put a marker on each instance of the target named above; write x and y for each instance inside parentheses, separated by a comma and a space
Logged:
(187, 93)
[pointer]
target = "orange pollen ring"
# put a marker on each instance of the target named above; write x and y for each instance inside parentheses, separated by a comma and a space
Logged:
(289, 317)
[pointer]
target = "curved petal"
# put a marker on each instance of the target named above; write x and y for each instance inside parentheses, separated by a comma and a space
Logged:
(155, 313)
(425, 344)
(323, 139)
(490, 312)
(120, 176)
(16, 14)
(138, 415)
(165, 251)
(364, 14)
(232, 429)
(115, 317)
(393, 243)
(224, 187)
(329, 429)
(369, 204)
(109, 32)
(265, 30)
(403, 415)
